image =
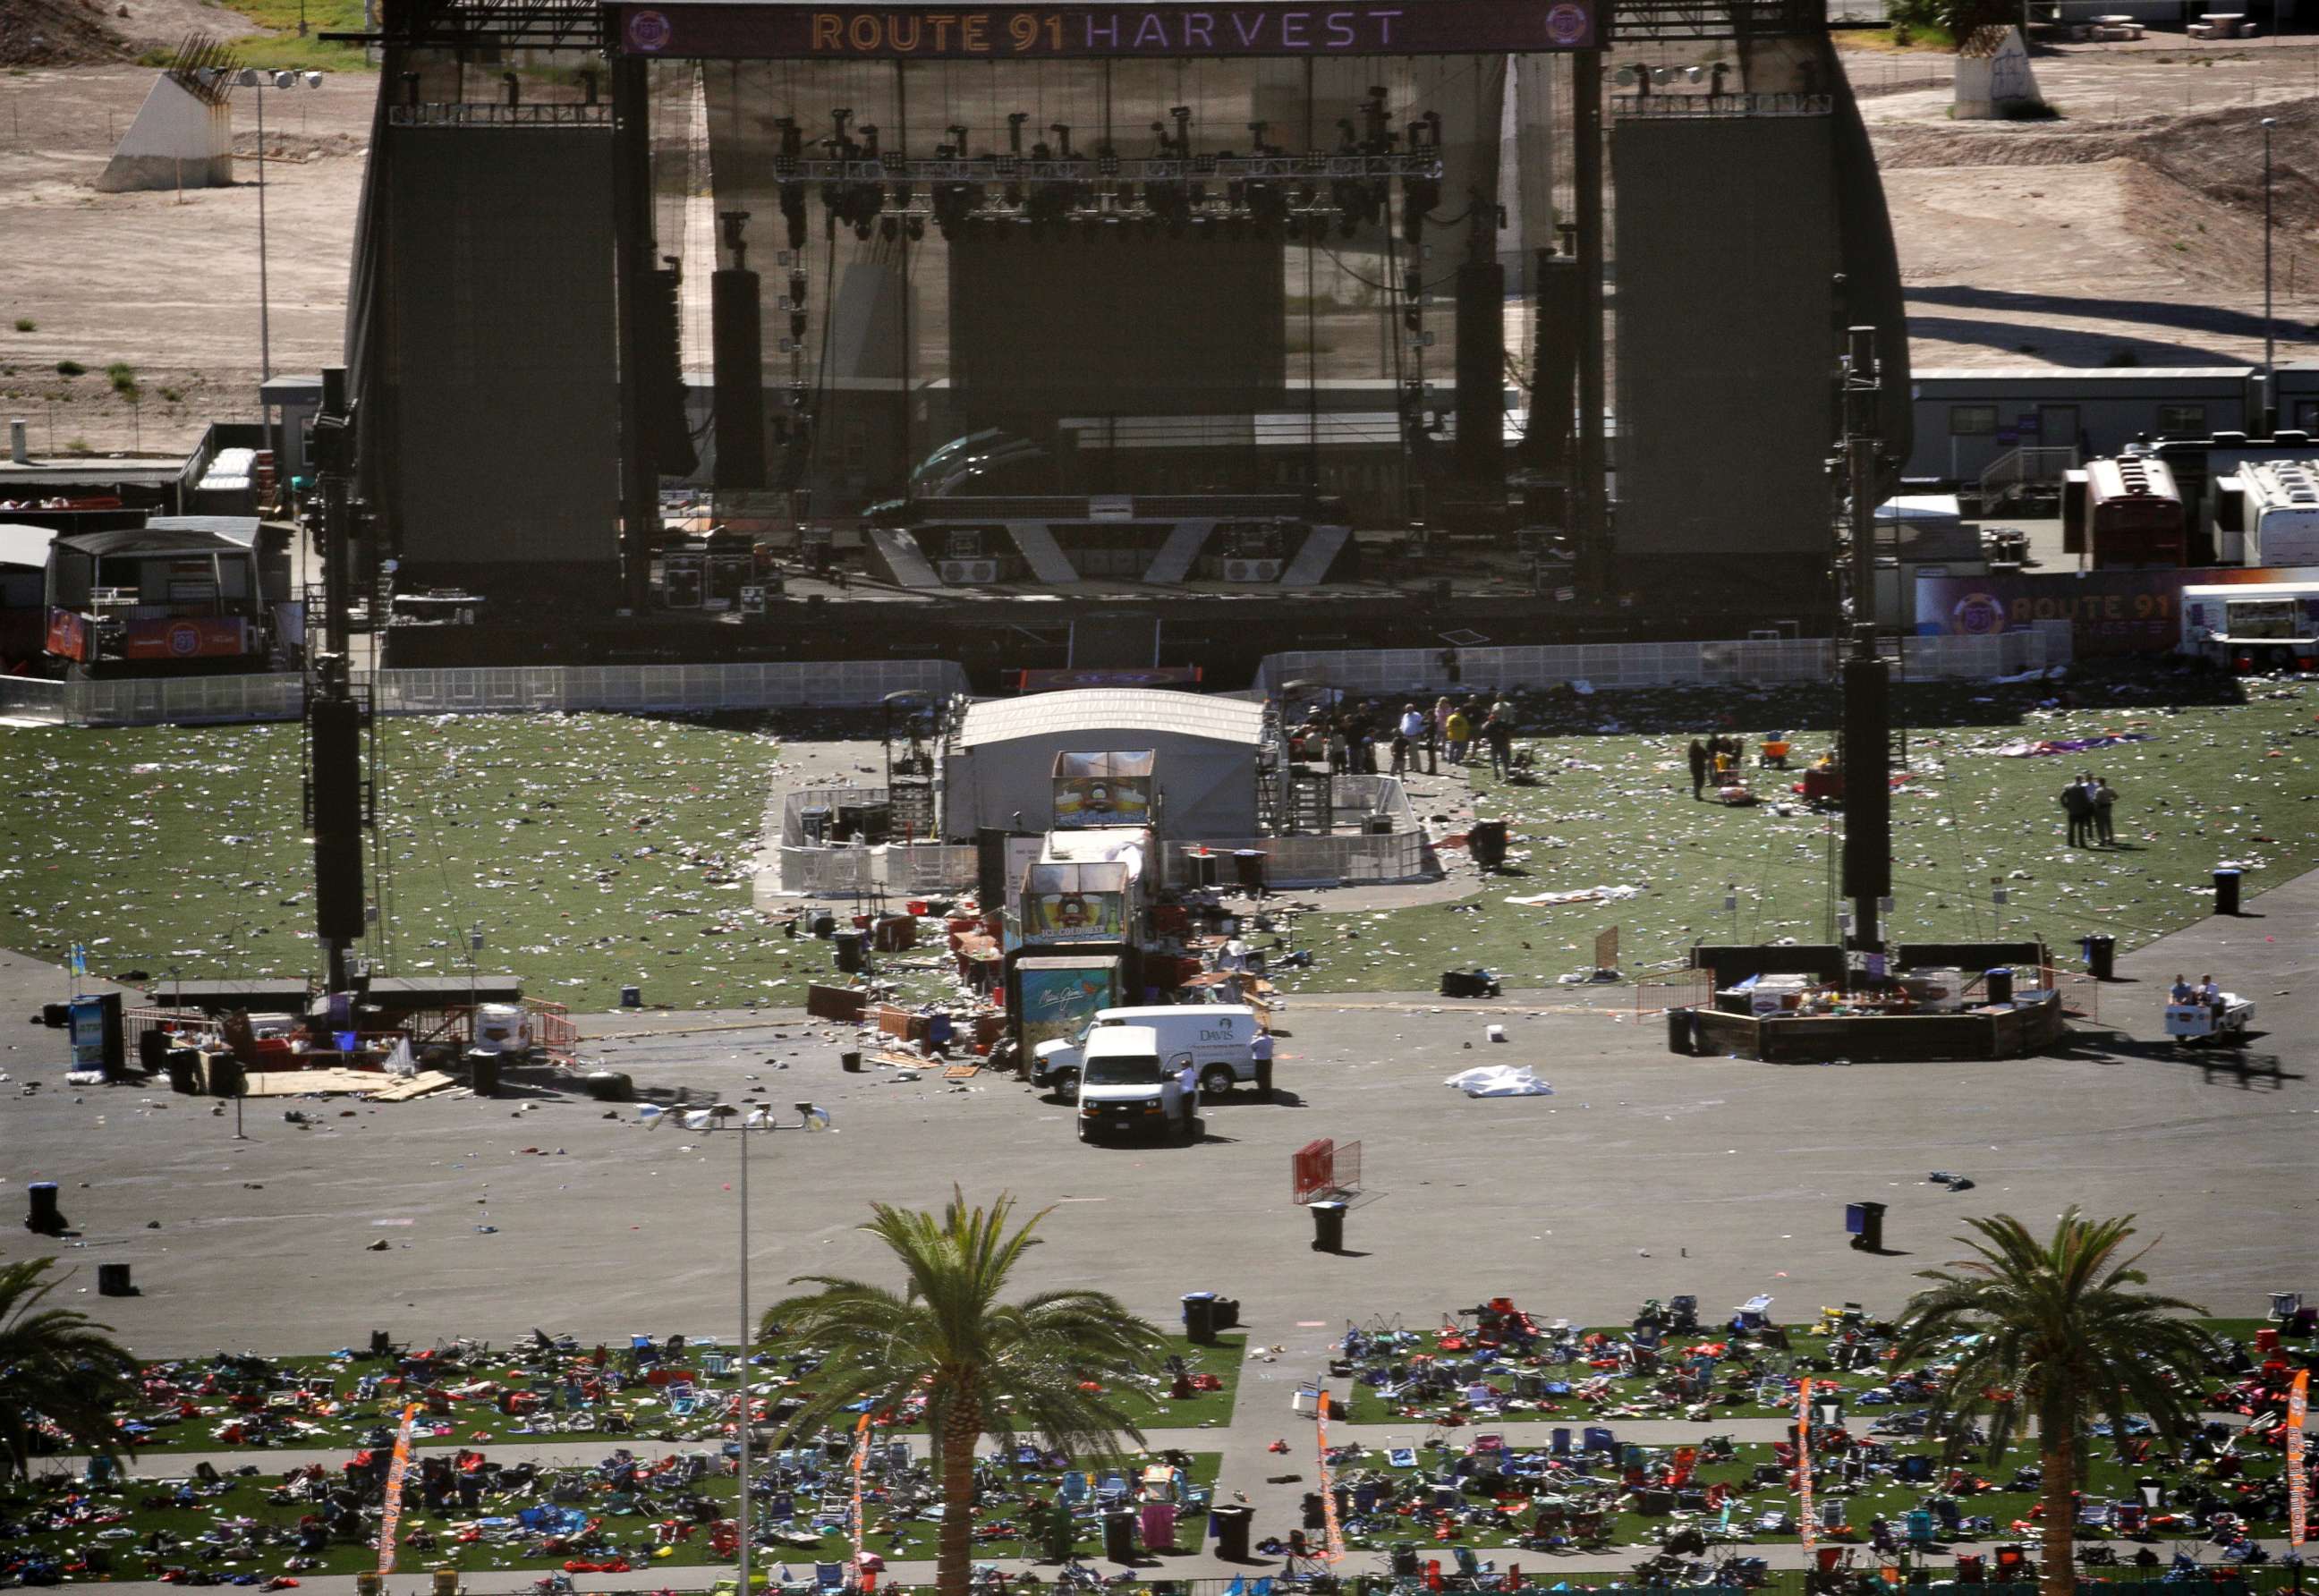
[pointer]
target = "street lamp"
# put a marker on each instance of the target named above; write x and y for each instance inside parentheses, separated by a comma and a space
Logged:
(251, 77)
(751, 1117)
(2269, 366)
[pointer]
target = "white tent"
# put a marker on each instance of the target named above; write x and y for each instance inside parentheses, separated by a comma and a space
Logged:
(1000, 771)
(183, 138)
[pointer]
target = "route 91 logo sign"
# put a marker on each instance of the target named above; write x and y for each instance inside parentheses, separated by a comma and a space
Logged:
(1567, 23)
(184, 640)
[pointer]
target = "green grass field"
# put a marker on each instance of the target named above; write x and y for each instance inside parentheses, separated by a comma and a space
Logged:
(646, 1527)
(599, 850)
(2215, 782)
(643, 1408)
(594, 851)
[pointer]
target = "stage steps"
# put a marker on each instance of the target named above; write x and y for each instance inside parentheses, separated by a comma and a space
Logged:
(902, 558)
(1039, 546)
(1173, 562)
(1312, 561)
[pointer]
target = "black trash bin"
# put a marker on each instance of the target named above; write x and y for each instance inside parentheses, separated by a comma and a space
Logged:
(1231, 1520)
(1200, 1317)
(2001, 985)
(850, 1061)
(2226, 890)
(43, 1215)
(1681, 1029)
(2101, 958)
(483, 1072)
(1328, 1226)
(185, 1071)
(153, 1050)
(1119, 1537)
(1404, 1560)
(113, 1281)
(1486, 840)
(849, 951)
(1865, 1220)
(1315, 1512)
(226, 1078)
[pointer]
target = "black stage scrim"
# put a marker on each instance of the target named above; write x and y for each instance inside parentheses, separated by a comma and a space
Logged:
(1726, 328)
(507, 399)
(1132, 266)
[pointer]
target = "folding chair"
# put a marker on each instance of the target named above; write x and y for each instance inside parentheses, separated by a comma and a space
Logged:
(1599, 1440)
(1560, 1446)
(829, 1576)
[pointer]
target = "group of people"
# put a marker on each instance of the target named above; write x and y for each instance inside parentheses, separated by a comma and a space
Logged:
(2089, 802)
(1717, 758)
(2205, 992)
(1457, 730)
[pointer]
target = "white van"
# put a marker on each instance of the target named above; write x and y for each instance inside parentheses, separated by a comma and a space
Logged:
(1126, 1086)
(1217, 1035)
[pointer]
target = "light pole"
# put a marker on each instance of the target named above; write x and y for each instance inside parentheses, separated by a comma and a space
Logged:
(2269, 366)
(251, 77)
(748, 1117)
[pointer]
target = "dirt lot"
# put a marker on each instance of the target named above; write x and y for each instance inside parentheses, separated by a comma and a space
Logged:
(2129, 229)
(166, 283)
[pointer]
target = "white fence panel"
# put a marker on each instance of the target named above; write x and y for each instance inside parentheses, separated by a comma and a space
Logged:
(28, 697)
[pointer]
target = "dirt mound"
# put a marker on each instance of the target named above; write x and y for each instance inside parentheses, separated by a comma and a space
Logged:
(58, 33)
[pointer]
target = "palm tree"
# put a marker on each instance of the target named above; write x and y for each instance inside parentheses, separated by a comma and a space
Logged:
(1056, 1365)
(2049, 1332)
(58, 1364)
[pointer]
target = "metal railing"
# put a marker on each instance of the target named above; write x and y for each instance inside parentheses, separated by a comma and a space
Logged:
(2024, 466)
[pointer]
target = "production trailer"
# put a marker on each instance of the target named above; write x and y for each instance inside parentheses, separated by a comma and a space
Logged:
(2267, 514)
(2124, 513)
(2253, 628)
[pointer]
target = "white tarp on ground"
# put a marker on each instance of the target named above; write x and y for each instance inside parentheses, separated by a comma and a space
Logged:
(1000, 771)
(1500, 1080)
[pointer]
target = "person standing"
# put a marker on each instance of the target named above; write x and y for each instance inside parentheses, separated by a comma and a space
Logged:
(1499, 730)
(1458, 732)
(2079, 808)
(1697, 768)
(2104, 802)
(1413, 730)
(1399, 752)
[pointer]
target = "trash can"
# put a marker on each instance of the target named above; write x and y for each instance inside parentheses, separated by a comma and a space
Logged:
(1315, 1512)
(225, 1076)
(185, 1071)
(1865, 1222)
(1681, 1028)
(849, 951)
(1200, 868)
(2226, 890)
(2001, 985)
(113, 1281)
(2101, 958)
(1328, 1226)
(1119, 1537)
(1200, 1317)
(483, 1072)
(1230, 1522)
(632, 997)
(850, 1061)
(1247, 869)
(1404, 1559)
(1486, 841)
(153, 1050)
(43, 1215)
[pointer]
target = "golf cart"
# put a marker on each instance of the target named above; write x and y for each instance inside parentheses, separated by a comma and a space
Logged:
(2191, 1024)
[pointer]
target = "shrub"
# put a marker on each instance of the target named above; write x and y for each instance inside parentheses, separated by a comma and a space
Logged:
(69, 368)
(26, 324)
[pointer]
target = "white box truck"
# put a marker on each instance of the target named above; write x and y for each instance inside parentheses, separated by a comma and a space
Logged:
(1219, 1036)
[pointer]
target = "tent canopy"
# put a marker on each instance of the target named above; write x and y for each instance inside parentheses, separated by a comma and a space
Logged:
(1201, 753)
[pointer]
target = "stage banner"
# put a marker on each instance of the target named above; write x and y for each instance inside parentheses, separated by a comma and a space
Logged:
(391, 1516)
(1335, 1530)
(706, 29)
(1806, 1524)
(2298, 1484)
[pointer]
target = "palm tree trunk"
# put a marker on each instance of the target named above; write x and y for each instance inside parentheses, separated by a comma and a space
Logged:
(2057, 1555)
(954, 1565)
